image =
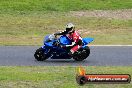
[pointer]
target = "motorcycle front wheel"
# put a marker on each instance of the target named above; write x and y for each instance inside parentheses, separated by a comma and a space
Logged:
(39, 55)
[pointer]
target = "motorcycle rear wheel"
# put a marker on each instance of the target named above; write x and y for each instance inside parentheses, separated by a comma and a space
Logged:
(81, 54)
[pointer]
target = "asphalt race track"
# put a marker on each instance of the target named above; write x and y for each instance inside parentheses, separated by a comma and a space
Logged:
(100, 56)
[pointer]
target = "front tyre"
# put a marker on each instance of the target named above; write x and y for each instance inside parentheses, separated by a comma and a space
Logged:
(39, 55)
(81, 54)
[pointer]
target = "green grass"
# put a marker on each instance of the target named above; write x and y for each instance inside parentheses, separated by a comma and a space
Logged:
(61, 5)
(30, 29)
(25, 22)
(55, 77)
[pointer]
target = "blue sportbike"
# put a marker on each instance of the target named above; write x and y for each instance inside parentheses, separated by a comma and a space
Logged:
(52, 49)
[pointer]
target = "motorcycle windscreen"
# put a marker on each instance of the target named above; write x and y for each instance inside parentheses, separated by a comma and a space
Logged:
(49, 43)
(46, 38)
(87, 40)
(64, 40)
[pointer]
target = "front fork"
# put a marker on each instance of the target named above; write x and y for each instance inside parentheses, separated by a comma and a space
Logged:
(46, 50)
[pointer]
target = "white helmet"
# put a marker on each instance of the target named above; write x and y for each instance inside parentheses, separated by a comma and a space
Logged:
(70, 27)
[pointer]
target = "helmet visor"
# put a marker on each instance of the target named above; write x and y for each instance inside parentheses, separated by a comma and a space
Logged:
(68, 29)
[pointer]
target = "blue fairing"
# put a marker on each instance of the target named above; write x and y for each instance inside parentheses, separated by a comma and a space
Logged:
(65, 40)
(87, 40)
(57, 52)
(49, 44)
(46, 37)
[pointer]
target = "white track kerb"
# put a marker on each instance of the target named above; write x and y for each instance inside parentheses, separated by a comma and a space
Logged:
(109, 45)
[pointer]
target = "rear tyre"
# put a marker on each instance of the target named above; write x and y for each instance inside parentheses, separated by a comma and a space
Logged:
(81, 54)
(39, 55)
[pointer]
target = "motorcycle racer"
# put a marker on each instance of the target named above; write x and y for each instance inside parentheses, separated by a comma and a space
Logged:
(74, 36)
(68, 45)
